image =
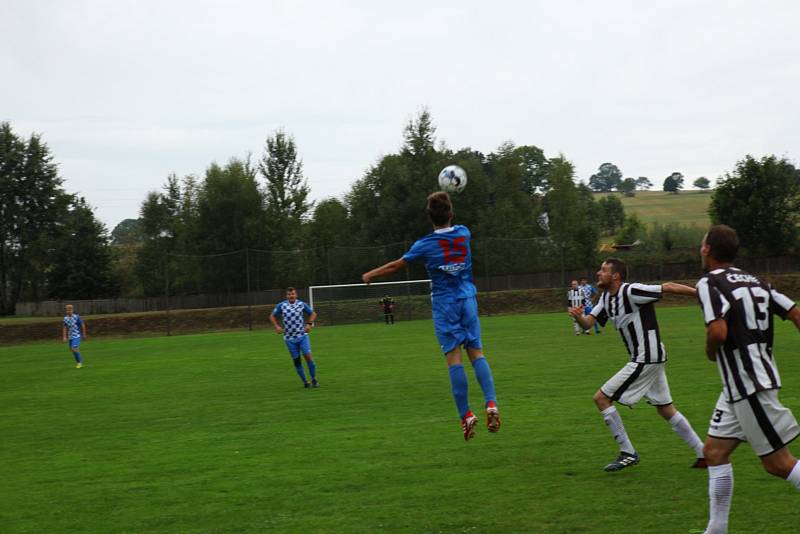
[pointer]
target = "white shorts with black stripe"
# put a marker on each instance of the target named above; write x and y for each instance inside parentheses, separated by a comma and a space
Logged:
(759, 419)
(637, 380)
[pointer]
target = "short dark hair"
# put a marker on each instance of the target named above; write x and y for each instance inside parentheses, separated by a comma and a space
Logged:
(618, 266)
(723, 242)
(439, 208)
(290, 288)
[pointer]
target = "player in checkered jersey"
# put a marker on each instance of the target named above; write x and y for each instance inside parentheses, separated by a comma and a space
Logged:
(72, 331)
(630, 308)
(738, 310)
(297, 319)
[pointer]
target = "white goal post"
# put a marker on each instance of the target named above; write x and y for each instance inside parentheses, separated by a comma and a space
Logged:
(357, 303)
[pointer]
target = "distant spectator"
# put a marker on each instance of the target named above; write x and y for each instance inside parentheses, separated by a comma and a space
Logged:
(387, 303)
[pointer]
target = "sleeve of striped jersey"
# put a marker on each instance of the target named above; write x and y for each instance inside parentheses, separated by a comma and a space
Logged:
(642, 294)
(599, 312)
(712, 302)
(780, 304)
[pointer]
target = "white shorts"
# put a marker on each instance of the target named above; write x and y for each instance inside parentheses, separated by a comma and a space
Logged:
(637, 380)
(759, 419)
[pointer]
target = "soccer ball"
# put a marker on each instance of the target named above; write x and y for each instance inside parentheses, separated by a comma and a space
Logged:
(453, 179)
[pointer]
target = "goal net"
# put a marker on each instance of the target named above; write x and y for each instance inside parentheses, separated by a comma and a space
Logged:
(361, 303)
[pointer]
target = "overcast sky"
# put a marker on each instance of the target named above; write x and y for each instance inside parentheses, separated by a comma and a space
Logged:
(126, 92)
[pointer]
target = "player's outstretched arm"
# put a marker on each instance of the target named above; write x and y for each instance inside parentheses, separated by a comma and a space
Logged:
(678, 289)
(384, 270)
(716, 333)
(63, 333)
(83, 330)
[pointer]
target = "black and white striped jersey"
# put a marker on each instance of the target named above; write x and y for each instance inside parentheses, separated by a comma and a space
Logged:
(633, 314)
(574, 298)
(745, 361)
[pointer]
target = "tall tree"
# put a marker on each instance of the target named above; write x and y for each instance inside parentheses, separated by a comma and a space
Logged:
(607, 178)
(32, 202)
(673, 183)
(613, 213)
(761, 200)
(286, 189)
(643, 183)
(81, 257)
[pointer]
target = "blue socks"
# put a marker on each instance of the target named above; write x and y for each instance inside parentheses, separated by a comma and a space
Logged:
(312, 369)
(484, 375)
(458, 381)
(77, 356)
(298, 366)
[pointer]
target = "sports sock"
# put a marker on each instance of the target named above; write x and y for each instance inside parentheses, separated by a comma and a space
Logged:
(458, 382)
(794, 476)
(681, 425)
(77, 356)
(298, 366)
(312, 369)
(484, 375)
(614, 422)
(720, 492)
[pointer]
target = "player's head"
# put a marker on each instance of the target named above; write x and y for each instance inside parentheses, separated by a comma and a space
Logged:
(720, 245)
(69, 309)
(574, 284)
(612, 272)
(291, 294)
(439, 208)
(584, 281)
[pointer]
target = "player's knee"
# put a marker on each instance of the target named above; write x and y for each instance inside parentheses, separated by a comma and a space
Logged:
(778, 465)
(297, 362)
(601, 400)
(714, 454)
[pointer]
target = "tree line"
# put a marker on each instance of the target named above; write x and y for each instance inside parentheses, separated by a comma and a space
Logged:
(52, 246)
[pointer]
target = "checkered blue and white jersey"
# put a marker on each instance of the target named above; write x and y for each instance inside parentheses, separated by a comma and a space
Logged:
(73, 324)
(292, 316)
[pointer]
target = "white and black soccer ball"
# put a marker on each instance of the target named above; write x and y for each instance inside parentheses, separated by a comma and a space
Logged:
(453, 179)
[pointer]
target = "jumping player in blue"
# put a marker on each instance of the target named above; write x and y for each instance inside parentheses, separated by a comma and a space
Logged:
(297, 318)
(73, 330)
(448, 260)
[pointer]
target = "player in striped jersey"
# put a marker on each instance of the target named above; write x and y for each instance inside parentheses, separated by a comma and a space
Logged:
(738, 311)
(630, 308)
(575, 299)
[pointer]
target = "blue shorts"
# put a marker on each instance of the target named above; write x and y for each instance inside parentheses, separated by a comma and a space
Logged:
(75, 343)
(298, 345)
(587, 309)
(456, 323)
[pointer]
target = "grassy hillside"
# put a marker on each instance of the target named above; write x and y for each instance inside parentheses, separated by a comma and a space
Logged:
(686, 208)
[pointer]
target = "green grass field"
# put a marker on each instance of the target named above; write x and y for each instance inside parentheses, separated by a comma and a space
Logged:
(214, 433)
(688, 207)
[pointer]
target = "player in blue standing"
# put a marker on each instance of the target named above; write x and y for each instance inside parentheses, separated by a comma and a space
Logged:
(448, 260)
(297, 318)
(72, 331)
(589, 291)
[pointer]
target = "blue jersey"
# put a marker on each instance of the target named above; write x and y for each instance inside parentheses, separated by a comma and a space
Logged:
(588, 292)
(292, 317)
(73, 324)
(448, 259)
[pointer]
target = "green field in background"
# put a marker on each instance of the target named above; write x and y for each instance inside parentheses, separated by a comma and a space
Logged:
(687, 207)
(214, 433)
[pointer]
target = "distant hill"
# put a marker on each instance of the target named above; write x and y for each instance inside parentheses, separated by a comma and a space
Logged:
(686, 207)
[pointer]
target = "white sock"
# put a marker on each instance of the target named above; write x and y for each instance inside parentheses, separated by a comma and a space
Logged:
(614, 422)
(794, 476)
(720, 493)
(681, 425)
